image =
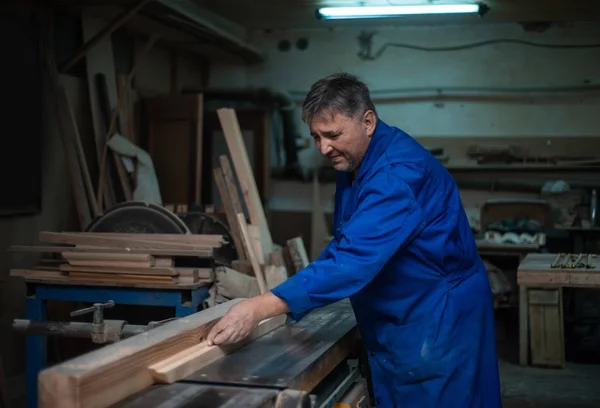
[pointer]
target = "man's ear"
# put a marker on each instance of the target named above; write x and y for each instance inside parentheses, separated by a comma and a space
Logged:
(370, 122)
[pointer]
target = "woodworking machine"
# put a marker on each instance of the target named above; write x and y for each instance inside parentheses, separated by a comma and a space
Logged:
(317, 362)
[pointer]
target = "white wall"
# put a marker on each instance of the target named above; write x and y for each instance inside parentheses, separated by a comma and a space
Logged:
(506, 65)
(495, 66)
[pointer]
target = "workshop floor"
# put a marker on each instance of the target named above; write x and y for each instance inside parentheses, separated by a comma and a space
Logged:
(575, 386)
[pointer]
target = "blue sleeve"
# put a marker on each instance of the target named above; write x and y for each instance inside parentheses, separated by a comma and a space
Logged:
(386, 218)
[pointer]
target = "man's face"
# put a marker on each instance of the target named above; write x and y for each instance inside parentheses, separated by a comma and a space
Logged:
(343, 140)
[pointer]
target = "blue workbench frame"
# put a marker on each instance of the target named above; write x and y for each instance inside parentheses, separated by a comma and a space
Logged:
(185, 302)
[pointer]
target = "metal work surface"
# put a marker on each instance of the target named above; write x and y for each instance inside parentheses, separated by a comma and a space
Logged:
(295, 356)
(185, 395)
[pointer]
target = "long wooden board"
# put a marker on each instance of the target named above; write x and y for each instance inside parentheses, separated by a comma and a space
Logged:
(241, 162)
(111, 264)
(121, 270)
(260, 278)
(105, 376)
(115, 242)
(230, 212)
(194, 358)
(203, 239)
(123, 278)
(203, 253)
(112, 257)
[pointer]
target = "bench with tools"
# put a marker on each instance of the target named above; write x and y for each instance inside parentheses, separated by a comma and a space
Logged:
(541, 279)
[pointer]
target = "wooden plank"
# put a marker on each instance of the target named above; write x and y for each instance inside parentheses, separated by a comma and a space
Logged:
(123, 278)
(112, 264)
(244, 267)
(38, 273)
(96, 240)
(194, 274)
(230, 213)
(199, 150)
(276, 258)
(120, 270)
(298, 254)
(99, 60)
(194, 358)
(79, 256)
(168, 262)
(123, 176)
(202, 253)
(58, 94)
(197, 239)
(105, 376)
(239, 155)
(182, 283)
(523, 325)
(231, 184)
(546, 327)
(248, 247)
(274, 275)
(255, 237)
(554, 278)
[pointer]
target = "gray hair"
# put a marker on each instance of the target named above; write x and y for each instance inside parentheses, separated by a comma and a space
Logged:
(338, 93)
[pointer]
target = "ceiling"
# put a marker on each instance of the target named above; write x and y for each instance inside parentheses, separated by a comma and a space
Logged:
(219, 28)
(296, 14)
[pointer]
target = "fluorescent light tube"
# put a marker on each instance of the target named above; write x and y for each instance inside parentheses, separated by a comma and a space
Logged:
(332, 13)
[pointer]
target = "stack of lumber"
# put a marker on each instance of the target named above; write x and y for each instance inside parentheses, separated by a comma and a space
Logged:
(122, 258)
(257, 255)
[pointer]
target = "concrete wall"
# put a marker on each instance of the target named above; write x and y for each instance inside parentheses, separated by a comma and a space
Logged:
(400, 73)
(58, 213)
(496, 66)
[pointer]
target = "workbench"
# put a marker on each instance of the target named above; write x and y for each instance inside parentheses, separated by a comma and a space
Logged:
(541, 304)
(185, 299)
(318, 355)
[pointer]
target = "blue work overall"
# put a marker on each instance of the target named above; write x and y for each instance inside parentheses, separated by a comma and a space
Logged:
(404, 254)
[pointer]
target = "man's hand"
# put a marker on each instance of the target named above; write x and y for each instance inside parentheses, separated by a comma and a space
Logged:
(237, 323)
(244, 317)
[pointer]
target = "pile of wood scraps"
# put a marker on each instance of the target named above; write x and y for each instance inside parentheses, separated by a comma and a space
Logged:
(257, 255)
(122, 259)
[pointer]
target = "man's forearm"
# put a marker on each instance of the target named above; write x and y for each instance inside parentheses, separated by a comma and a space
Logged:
(268, 305)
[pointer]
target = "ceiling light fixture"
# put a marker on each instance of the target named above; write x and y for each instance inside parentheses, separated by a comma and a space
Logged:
(337, 13)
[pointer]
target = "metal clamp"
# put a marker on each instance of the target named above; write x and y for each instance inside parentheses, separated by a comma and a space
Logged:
(98, 326)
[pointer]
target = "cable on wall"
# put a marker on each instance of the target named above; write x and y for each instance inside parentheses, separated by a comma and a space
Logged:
(366, 42)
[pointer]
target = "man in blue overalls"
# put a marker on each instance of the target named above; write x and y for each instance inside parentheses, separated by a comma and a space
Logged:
(404, 254)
